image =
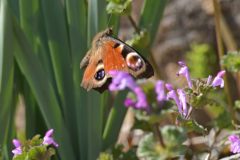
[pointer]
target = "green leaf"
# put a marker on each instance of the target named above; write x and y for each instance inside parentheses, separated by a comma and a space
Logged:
(231, 61)
(151, 15)
(77, 25)
(8, 94)
(192, 125)
(42, 91)
(150, 149)
(119, 7)
(97, 20)
(114, 121)
(139, 41)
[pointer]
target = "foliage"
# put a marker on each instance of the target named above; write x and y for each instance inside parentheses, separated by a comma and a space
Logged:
(150, 149)
(41, 44)
(119, 7)
(231, 61)
(33, 149)
(117, 153)
(201, 60)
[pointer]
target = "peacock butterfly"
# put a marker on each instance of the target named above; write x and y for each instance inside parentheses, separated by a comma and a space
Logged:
(109, 53)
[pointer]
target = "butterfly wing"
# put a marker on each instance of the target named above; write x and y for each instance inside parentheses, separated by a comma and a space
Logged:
(109, 54)
(120, 56)
(94, 75)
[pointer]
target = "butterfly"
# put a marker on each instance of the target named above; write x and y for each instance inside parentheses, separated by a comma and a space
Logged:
(109, 53)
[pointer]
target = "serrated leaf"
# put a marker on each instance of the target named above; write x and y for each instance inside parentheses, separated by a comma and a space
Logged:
(150, 149)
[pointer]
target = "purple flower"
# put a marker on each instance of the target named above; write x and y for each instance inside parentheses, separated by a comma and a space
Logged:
(235, 143)
(48, 139)
(180, 99)
(173, 95)
(185, 72)
(183, 101)
(17, 150)
(209, 80)
(218, 80)
(129, 102)
(122, 80)
(142, 99)
(159, 89)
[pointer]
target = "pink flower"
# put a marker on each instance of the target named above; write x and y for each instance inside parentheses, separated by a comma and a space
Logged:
(180, 99)
(122, 80)
(173, 95)
(218, 80)
(235, 143)
(185, 72)
(17, 150)
(160, 90)
(48, 139)
(183, 101)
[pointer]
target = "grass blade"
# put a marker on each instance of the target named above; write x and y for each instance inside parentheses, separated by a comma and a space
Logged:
(43, 91)
(97, 20)
(114, 121)
(77, 25)
(58, 42)
(151, 15)
(6, 71)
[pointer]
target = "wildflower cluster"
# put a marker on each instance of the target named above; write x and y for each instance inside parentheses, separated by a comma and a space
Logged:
(123, 80)
(37, 145)
(158, 102)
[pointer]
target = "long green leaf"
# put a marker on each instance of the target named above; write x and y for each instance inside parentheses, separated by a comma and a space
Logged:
(6, 76)
(30, 15)
(97, 18)
(43, 91)
(77, 25)
(58, 42)
(114, 121)
(151, 15)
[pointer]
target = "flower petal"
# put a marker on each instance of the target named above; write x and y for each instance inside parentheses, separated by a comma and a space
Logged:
(122, 80)
(48, 139)
(16, 143)
(235, 143)
(160, 90)
(218, 80)
(17, 151)
(142, 99)
(185, 72)
(129, 102)
(183, 101)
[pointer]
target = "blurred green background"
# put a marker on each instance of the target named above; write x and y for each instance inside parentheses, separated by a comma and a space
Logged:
(43, 41)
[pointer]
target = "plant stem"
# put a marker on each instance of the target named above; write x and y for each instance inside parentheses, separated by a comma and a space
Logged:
(158, 134)
(152, 59)
(217, 17)
(134, 24)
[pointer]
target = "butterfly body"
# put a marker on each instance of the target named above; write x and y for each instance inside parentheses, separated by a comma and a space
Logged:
(108, 53)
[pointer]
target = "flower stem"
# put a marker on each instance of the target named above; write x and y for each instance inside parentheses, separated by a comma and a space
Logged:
(134, 24)
(217, 16)
(152, 59)
(158, 134)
